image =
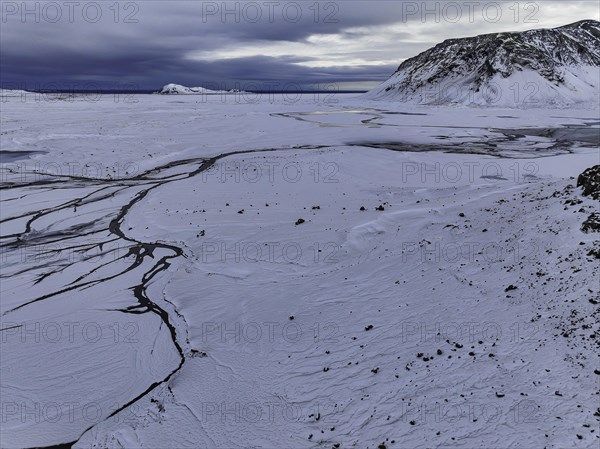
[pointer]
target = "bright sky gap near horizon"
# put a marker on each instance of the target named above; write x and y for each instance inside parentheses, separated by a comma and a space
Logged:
(250, 45)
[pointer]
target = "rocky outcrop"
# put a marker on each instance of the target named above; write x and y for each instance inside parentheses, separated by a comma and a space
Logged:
(589, 181)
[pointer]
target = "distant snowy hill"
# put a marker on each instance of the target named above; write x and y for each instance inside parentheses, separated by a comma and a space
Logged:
(13, 92)
(557, 67)
(178, 89)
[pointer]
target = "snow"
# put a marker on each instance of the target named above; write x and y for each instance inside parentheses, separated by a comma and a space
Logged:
(544, 68)
(141, 254)
(5, 93)
(178, 89)
(522, 89)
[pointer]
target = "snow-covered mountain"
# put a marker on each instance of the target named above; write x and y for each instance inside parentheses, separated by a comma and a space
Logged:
(178, 89)
(537, 68)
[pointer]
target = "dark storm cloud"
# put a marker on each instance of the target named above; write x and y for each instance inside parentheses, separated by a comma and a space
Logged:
(149, 48)
(146, 44)
(108, 71)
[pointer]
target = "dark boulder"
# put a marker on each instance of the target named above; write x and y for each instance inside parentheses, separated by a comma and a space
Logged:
(592, 224)
(589, 180)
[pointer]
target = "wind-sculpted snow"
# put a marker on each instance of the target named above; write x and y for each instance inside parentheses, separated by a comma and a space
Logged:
(100, 256)
(557, 67)
(335, 275)
(73, 281)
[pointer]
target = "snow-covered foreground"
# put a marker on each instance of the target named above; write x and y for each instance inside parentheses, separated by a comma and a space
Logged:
(196, 272)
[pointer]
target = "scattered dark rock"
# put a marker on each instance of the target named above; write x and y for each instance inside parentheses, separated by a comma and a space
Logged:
(196, 353)
(510, 287)
(369, 327)
(299, 221)
(161, 408)
(594, 252)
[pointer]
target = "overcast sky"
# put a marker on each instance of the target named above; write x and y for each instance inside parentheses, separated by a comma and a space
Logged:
(266, 45)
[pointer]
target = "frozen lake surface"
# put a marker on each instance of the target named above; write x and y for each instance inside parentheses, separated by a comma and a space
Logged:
(208, 271)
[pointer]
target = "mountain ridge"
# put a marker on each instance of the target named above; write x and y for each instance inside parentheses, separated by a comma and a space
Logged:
(178, 89)
(542, 67)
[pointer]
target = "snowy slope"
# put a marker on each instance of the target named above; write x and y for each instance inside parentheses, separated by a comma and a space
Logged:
(557, 67)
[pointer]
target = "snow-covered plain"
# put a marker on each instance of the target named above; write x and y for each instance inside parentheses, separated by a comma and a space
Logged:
(198, 272)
